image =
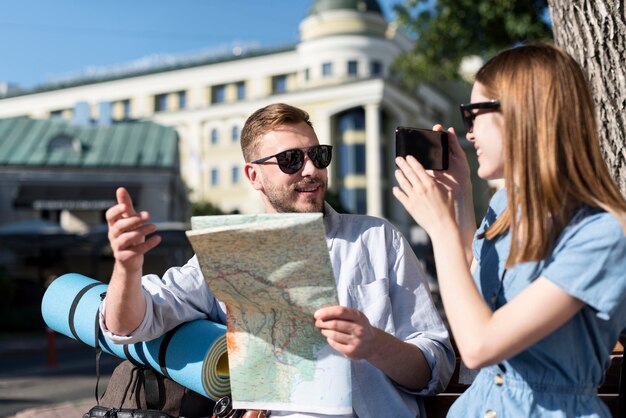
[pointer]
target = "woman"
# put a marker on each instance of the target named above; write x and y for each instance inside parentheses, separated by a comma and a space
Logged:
(547, 301)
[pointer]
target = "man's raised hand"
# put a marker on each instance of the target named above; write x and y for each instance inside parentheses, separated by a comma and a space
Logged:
(127, 232)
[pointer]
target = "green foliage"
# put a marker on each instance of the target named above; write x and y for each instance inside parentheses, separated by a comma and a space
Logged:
(446, 31)
(204, 208)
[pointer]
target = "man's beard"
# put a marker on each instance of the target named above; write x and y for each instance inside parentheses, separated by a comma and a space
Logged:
(286, 200)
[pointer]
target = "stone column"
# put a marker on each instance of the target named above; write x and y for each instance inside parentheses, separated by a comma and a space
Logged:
(373, 159)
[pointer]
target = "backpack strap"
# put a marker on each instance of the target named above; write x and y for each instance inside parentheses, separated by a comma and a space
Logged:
(97, 347)
(151, 388)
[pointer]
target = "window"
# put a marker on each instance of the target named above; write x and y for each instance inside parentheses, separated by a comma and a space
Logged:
(279, 84)
(241, 90)
(126, 109)
(327, 69)
(361, 201)
(234, 134)
(218, 94)
(352, 159)
(160, 102)
(376, 68)
(235, 175)
(354, 200)
(353, 120)
(56, 114)
(64, 143)
(182, 99)
(307, 74)
(215, 136)
(353, 67)
(215, 177)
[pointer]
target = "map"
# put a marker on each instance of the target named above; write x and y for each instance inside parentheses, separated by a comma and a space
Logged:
(273, 272)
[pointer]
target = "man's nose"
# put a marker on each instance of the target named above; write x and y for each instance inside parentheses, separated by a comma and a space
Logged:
(308, 168)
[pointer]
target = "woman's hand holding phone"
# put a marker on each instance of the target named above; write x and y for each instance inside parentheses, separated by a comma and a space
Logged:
(431, 195)
(425, 198)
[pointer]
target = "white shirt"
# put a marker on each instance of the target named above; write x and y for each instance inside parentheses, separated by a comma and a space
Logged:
(377, 273)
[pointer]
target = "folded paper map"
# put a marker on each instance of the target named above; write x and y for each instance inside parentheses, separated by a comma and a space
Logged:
(273, 272)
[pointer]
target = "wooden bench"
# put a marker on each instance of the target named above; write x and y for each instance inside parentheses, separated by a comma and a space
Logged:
(612, 391)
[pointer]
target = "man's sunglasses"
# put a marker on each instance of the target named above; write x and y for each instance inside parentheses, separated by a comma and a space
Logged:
(468, 115)
(292, 160)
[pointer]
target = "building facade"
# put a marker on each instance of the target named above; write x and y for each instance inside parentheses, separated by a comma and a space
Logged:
(339, 72)
(58, 178)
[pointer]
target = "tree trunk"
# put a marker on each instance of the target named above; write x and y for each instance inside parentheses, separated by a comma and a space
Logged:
(594, 33)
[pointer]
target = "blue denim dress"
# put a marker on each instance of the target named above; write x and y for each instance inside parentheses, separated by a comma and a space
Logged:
(559, 375)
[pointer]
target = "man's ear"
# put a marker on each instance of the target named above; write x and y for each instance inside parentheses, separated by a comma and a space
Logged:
(254, 176)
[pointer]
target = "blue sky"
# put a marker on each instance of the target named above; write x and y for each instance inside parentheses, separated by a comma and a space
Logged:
(44, 40)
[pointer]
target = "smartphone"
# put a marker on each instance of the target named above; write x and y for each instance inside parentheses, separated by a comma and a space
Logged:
(429, 147)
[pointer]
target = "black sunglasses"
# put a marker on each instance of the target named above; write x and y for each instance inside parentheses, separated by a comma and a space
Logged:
(468, 115)
(292, 160)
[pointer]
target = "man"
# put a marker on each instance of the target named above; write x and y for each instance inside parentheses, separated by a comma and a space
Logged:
(386, 323)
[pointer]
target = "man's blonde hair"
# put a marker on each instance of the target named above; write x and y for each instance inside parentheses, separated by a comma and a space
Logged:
(266, 119)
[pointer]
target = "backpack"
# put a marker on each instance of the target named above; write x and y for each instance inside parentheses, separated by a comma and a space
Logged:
(136, 390)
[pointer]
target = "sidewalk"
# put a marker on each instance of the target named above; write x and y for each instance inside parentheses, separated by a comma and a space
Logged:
(40, 342)
(62, 410)
(34, 342)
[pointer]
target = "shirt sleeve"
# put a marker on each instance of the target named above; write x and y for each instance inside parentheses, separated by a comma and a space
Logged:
(589, 262)
(416, 317)
(179, 296)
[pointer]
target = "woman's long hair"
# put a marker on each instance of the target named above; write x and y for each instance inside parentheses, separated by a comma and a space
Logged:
(553, 161)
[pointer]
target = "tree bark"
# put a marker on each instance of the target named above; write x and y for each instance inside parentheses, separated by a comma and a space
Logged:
(594, 33)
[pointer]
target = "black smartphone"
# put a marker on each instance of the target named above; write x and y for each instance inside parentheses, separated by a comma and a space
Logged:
(429, 147)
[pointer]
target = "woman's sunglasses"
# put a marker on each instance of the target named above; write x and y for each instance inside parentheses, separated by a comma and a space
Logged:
(468, 115)
(292, 160)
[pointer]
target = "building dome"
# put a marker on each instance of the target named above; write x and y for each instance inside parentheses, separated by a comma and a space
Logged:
(344, 41)
(355, 5)
(343, 17)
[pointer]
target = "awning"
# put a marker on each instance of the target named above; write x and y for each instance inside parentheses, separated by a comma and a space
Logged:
(67, 197)
(35, 234)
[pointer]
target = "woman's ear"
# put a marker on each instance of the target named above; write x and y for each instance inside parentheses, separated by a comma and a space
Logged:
(254, 176)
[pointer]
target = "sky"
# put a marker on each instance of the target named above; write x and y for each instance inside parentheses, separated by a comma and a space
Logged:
(43, 41)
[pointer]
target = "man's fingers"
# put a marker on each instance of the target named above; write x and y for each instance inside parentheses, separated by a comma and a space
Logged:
(125, 225)
(134, 237)
(337, 336)
(141, 249)
(150, 243)
(114, 213)
(335, 312)
(123, 197)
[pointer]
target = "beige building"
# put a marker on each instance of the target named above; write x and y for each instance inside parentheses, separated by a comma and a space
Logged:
(339, 72)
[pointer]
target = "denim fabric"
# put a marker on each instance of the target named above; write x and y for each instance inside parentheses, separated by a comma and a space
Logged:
(557, 376)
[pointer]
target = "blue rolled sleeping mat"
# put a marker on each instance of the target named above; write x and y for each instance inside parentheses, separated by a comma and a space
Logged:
(193, 354)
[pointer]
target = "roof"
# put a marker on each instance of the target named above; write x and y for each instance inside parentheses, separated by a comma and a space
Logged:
(356, 5)
(55, 142)
(124, 71)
